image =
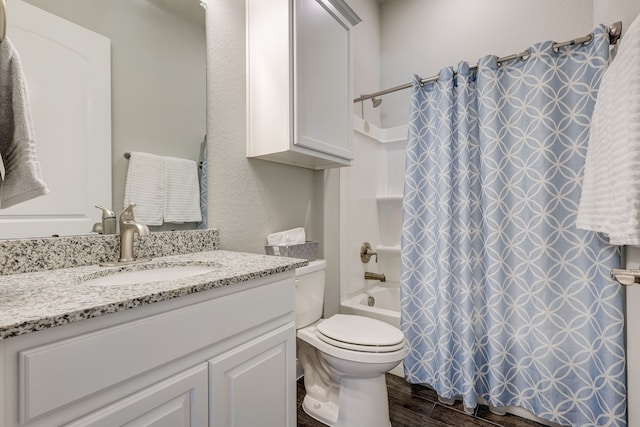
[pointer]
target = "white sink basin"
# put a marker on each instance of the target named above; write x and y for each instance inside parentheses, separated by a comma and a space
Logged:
(158, 274)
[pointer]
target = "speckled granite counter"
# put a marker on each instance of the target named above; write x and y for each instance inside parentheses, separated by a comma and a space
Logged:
(51, 253)
(35, 301)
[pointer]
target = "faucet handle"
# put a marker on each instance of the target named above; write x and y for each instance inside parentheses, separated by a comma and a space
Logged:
(366, 253)
(106, 212)
(127, 213)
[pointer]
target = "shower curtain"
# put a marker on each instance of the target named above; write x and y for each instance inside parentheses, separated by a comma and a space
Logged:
(503, 299)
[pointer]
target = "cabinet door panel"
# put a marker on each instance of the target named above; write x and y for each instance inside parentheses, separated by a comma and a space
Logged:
(254, 385)
(177, 401)
(322, 74)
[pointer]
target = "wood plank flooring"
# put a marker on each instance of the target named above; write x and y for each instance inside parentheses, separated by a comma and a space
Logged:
(417, 406)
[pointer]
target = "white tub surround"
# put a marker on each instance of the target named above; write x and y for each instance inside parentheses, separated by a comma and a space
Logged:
(386, 304)
(386, 307)
(191, 351)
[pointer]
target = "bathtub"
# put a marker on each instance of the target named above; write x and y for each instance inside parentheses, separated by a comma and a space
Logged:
(386, 304)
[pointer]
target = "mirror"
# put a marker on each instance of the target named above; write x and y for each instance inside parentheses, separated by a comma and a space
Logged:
(158, 88)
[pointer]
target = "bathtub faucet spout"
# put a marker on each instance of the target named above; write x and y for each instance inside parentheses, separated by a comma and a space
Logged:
(374, 276)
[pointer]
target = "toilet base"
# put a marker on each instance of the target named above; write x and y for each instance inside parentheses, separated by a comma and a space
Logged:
(325, 412)
(363, 402)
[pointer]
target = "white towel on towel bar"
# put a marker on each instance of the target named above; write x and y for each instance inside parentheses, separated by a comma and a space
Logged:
(182, 191)
(145, 187)
(610, 200)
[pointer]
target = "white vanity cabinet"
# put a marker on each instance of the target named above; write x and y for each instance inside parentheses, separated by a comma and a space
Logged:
(299, 98)
(223, 357)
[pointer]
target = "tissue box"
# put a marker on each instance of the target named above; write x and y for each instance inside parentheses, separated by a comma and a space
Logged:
(308, 250)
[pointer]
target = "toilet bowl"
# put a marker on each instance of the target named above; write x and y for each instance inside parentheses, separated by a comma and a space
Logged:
(344, 358)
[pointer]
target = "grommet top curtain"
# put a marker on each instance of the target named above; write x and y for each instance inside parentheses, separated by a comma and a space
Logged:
(503, 300)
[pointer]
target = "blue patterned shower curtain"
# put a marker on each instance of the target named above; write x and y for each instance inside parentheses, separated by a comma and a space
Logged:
(503, 299)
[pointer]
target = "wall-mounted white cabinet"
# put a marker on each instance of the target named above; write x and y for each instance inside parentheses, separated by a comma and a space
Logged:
(299, 98)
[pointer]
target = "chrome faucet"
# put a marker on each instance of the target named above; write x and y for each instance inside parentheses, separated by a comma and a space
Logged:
(128, 229)
(374, 276)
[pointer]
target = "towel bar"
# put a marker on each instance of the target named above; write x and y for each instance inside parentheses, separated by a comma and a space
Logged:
(127, 155)
(625, 277)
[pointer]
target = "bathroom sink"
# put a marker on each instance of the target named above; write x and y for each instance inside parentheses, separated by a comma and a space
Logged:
(160, 273)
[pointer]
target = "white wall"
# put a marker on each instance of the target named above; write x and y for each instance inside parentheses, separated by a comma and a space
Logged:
(360, 182)
(360, 185)
(608, 11)
(247, 198)
(423, 36)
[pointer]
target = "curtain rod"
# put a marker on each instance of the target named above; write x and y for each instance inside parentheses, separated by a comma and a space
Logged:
(615, 30)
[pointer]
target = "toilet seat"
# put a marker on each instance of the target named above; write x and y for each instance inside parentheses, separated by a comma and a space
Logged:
(359, 333)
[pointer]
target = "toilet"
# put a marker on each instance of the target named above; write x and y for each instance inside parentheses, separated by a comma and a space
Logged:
(344, 358)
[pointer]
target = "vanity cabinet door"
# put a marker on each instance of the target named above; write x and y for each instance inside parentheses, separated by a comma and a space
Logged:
(299, 100)
(255, 384)
(178, 401)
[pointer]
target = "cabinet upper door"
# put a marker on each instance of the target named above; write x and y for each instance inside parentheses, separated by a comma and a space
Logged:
(322, 74)
(299, 101)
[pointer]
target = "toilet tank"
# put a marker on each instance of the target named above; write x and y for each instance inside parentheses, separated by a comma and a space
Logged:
(310, 293)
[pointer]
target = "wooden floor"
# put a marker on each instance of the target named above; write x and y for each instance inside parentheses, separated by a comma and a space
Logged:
(417, 406)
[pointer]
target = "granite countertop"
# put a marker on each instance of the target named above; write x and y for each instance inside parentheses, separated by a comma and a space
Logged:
(31, 302)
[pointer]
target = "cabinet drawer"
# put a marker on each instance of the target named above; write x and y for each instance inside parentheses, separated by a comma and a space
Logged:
(62, 372)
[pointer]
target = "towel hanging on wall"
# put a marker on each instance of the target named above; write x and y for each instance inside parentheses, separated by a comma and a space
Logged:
(610, 199)
(181, 191)
(145, 187)
(164, 189)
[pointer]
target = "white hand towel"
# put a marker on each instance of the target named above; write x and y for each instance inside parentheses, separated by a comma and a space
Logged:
(22, 178)
(182, 191)
(145, 187)
(610, 200)
(294, 236)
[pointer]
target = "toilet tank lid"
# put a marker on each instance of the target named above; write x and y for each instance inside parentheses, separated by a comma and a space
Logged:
(316, 265)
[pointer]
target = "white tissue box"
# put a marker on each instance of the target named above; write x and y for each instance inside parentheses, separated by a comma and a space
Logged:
(308, 250)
